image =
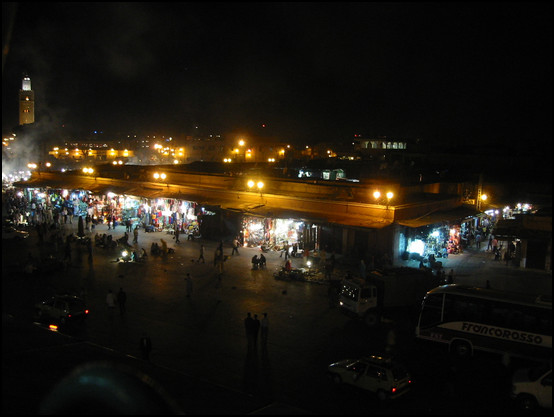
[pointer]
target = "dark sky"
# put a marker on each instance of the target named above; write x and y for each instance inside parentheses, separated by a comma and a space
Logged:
(458, 72)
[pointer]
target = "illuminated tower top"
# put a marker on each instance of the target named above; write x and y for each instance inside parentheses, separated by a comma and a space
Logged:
(26, 84)
(26, 102)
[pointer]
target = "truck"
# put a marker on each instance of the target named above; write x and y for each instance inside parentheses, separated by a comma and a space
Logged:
(381, 291)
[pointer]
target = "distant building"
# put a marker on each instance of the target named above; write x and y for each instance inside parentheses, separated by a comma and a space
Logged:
(26, 102)
(379, 144)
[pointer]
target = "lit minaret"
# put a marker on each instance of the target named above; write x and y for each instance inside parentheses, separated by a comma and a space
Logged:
(26, 102)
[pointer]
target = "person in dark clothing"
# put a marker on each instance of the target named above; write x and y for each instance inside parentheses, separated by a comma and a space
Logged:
(262, 261)
(255, 330)
(121, 300)
(249, 329)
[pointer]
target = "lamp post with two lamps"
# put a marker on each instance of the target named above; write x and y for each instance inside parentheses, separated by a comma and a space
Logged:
(160, 176)
(259, 185)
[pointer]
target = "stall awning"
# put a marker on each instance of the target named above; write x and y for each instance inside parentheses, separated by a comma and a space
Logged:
(459, 213)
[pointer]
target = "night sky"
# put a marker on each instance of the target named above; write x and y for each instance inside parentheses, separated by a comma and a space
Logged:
(460, 73)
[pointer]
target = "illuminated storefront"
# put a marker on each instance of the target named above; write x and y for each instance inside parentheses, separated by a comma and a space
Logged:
(258, 231)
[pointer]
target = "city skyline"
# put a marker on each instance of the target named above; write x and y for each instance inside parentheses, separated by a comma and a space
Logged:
(304, 72)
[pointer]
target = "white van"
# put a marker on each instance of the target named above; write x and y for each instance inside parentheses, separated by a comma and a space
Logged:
(532, 387)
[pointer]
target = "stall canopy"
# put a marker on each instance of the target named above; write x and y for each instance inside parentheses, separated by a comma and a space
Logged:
(459, 213)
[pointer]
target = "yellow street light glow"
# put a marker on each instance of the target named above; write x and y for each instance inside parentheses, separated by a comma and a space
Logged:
(250, 183)
(376, 195)
(162, 176)
(260, 185)
(390, 195)
(241, 142)
(156, 175)
(484, 197)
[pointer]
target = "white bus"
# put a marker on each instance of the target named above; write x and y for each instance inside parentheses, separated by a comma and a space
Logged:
(469, 319)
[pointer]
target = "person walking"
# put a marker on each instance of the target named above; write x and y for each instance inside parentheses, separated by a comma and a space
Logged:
(201, 255)
(255, 330)
(264, 327)
(478, 240)
(145, 346)
(121, 300)
(110, 302)
(235, 246)
(135, 234)
(188, 280)
(177, 232)
(249, 329)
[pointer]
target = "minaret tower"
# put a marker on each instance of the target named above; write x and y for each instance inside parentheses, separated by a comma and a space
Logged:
(26, 102)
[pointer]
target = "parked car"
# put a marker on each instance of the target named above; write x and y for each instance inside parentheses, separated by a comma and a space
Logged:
(532, 387)
(378, 374)
(62, 308)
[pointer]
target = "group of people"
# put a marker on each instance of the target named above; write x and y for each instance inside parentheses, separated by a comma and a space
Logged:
(254, 326)
(258, 262)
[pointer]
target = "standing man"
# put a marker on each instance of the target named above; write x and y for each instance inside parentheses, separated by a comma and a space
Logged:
(121, 300)
(201, 255)
(235, 246)
(177, 232)
(135, 234)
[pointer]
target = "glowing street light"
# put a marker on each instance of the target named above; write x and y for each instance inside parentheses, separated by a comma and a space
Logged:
(259, 184)
(377, 197)
(159, 176)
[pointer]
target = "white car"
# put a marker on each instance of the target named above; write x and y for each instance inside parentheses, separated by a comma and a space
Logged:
(62, 309)
(378, 374)
(532, 387)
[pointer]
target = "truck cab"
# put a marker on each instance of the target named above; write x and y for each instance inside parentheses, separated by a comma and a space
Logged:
(360, 299)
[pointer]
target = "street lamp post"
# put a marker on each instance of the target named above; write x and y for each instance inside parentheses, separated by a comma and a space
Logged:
(160, 176)
(389, 196)
(259, 184)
